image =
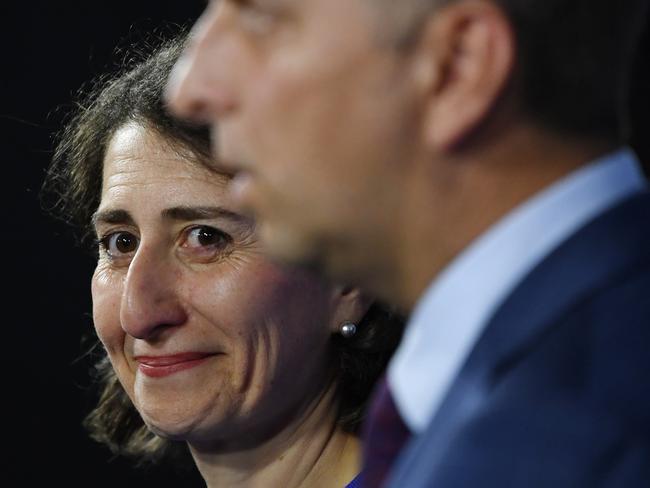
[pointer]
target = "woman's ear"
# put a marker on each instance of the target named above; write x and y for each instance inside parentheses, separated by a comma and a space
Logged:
(350, 304)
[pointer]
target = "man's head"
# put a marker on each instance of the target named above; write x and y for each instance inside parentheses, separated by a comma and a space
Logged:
(350, 122)
(572, 57)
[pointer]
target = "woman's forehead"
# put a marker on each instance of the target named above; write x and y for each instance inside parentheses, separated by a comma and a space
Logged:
(143, 171)
(135, 147)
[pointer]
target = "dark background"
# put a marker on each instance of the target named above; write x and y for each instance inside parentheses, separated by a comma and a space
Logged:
(50, 48)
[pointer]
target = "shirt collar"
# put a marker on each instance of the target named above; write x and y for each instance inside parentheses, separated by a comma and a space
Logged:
(452, 312)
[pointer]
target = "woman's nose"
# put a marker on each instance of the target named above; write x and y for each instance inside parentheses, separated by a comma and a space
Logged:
(150, 299)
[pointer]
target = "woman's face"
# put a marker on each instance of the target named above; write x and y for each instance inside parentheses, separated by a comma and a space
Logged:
(211, 341)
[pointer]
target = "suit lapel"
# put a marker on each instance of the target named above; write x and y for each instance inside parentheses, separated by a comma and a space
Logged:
(614, 242)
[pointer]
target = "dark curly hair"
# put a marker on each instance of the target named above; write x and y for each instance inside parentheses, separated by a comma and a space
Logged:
(72, 190)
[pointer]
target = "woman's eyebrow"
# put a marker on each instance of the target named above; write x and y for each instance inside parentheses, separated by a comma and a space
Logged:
(182, 213)
(202, 212)
(114, 216)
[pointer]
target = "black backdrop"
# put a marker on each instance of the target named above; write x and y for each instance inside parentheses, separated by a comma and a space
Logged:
(49, 49)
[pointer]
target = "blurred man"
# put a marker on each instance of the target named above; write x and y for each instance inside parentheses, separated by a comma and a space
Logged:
(465, 160)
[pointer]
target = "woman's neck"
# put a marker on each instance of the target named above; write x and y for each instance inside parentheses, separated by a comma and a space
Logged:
(311, 451)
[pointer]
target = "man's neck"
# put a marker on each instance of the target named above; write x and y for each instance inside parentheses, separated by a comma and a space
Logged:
(450, 205)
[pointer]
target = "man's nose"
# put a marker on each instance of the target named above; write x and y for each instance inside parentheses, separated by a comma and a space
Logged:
(197, 89)
(150, 300)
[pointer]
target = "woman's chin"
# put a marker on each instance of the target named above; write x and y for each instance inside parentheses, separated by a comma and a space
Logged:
(171, 429)
(172, 421)
(192, 426)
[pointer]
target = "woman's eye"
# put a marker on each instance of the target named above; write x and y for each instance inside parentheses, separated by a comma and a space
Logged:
(205, 236)
(119, 243)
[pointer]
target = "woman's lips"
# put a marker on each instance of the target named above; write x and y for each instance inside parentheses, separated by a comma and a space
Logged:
(160, 366)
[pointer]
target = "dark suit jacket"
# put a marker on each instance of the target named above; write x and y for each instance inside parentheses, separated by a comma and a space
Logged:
(556, 392)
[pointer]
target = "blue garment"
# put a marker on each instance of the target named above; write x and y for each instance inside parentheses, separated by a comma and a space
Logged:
(453, 312)
(556, 391)
(355, 483)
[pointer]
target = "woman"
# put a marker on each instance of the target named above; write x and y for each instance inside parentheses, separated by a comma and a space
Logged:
(261, 371)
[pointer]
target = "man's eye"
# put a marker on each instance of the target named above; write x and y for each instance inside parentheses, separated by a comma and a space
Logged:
(256, 19)
(205, 236)
(119, 243)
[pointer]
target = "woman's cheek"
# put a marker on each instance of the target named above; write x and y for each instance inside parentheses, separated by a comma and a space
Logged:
(106, 296)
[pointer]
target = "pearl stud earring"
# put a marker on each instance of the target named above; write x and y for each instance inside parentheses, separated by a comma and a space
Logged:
(348, 329)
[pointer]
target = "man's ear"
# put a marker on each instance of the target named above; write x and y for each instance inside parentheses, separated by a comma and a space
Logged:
(350, 305)
(463, 61)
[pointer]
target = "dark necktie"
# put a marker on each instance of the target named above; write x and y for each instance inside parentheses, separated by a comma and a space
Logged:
(384, 434)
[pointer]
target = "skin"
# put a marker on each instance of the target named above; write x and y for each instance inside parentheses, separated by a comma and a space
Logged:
(180, 271)
(297, 74)
(375, 162)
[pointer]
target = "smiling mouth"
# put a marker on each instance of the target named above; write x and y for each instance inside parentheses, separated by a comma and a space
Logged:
(161, 366)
